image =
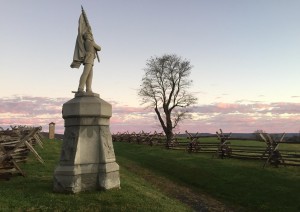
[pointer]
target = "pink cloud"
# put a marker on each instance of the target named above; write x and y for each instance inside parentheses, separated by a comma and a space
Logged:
(262, 108)
(28, 105)
(233, 117)
(31, 111)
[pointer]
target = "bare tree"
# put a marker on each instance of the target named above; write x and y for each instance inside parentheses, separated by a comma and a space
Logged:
(164, 88)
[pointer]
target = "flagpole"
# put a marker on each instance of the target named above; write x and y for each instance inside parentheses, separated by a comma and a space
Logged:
(90, 28)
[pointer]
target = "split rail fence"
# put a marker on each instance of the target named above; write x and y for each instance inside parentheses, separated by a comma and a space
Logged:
(15, 145)
(272, 150)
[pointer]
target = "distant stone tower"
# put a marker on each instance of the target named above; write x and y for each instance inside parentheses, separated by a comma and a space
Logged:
(51, 130)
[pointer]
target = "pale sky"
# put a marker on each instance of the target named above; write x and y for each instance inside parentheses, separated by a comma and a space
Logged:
(245, 57)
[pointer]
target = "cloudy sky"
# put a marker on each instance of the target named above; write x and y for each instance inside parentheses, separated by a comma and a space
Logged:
(245, 57)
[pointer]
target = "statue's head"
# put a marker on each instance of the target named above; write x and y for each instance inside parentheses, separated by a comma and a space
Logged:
(88, 36)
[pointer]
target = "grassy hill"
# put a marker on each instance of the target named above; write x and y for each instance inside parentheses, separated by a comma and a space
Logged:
(34, 192)
(241, 185)
(156, 179)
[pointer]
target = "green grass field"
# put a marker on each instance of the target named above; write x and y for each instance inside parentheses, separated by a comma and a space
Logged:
(155, 179)
(240, 184)
(34, 192)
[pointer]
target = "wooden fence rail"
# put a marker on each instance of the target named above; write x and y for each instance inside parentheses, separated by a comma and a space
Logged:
(268, 149)
(15, 145)
(140, 138)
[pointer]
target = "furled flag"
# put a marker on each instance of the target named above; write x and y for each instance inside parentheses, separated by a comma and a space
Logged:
(79, 52)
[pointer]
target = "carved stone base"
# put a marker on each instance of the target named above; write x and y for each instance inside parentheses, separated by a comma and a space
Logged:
(87, 160)
(86, 177)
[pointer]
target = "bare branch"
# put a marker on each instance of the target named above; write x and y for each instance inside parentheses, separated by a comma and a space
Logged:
(165, 88)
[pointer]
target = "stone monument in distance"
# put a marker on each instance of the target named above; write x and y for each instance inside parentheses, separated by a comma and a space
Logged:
(87, 160)
(51, 130)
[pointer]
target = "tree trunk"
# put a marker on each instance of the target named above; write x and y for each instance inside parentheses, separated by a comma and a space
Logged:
(169, 137)
(169, 130)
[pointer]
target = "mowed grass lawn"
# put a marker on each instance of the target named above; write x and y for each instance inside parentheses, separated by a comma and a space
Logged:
(34, 192)
(241, 185)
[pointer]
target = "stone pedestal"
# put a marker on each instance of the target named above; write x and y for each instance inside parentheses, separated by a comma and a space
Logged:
(87, 160)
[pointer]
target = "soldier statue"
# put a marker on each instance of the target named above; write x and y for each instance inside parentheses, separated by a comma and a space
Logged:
(85, 53)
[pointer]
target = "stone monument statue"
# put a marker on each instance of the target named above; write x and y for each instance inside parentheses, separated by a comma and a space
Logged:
(85, 52)
(87, 160)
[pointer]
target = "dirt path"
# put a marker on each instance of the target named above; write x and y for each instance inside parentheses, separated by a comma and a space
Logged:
(197, 201)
